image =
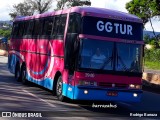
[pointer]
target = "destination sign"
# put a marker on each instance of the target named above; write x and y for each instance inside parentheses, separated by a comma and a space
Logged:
(112, 28)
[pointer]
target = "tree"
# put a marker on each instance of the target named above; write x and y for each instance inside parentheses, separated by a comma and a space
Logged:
(41, 6)
(5, 33)
(145, 9)
(70, 3)
(21, 9)
(29, 7)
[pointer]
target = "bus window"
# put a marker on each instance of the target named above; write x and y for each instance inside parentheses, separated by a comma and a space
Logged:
(59, 26)
(21, 29)
(48, 24)
(30, 28)
(56, 24)
(38, 27)
(62, 25)
(74, 23)
(15, 29)
(26, 25)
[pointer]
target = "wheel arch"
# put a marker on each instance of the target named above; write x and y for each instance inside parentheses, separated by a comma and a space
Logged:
(57, 75)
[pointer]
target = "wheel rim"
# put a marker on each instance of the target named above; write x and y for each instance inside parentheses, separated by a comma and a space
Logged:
(59, 88)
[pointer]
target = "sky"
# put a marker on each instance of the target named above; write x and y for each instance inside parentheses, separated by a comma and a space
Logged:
(6, 6)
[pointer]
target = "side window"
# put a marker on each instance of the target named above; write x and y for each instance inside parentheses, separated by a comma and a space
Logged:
(59, 26)
(30, 28)
(15, 29)
(56, 24)
(62, 25)
(48, 24)
(21, 29)
(74, 23)
(26, 27)
(38, 27)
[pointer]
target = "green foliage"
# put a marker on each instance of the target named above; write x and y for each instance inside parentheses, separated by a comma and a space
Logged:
(152, 59)
(152, 65)
(152, 55)
(146, 39)
(5, 33)
(152, 41)
(145, 9)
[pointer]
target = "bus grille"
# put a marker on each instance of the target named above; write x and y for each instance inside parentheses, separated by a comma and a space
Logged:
(109, 85)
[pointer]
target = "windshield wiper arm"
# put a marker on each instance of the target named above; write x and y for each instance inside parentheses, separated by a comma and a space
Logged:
(110, 59)
(124, 66)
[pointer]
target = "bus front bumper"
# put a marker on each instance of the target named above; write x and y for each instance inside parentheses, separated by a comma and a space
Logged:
(104, 94)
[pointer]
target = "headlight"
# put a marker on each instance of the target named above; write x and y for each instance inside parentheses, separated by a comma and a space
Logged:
(89, 83)
(132, 86)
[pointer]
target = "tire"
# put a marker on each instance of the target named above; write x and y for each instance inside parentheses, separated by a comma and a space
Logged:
(17, 73)
(59, 89)
(23, 75)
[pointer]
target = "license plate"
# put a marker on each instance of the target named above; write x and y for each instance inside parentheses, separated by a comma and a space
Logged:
(112, 93)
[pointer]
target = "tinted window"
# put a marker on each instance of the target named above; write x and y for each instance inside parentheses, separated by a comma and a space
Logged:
(59, 25)
(129, 57)
(62, 24)
(74, 23)
(30, 28)
(21, 29)
(96, 54)
(48, 24)
(15, 29)
(38, 27)
(56, 24)
(26, 26)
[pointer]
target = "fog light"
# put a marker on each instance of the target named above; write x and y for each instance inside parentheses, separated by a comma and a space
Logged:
(135, 94)
(85, 91)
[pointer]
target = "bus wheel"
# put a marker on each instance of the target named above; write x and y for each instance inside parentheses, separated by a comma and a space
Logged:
(23, 75)
(17, 73)
(59, 89)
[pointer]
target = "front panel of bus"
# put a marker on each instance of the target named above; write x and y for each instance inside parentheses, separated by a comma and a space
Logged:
(107, 60)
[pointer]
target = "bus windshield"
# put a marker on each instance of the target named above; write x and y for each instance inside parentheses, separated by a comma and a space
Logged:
(105, 55)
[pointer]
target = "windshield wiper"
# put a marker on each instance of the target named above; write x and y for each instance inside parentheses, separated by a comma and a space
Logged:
(120, 59)
(110, 59)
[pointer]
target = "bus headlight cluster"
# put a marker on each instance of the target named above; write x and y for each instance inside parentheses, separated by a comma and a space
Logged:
(133, 86)
(89, 83)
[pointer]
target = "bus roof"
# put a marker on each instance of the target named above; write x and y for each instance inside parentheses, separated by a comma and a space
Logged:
(89, 11)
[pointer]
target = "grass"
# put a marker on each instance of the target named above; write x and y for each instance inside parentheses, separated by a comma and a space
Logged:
(152, 65)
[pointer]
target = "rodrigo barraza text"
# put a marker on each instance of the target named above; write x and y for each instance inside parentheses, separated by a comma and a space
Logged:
(143, 114)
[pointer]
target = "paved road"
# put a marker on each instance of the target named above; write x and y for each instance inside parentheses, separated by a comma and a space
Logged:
(17, 97)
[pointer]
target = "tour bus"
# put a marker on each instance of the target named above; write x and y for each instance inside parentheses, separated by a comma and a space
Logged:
(81, 53)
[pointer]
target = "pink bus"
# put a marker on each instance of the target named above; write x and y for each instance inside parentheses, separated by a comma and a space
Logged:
(82, 53)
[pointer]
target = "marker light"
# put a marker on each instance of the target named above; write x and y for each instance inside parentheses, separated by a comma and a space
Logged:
(132, 86)
(85, 91)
